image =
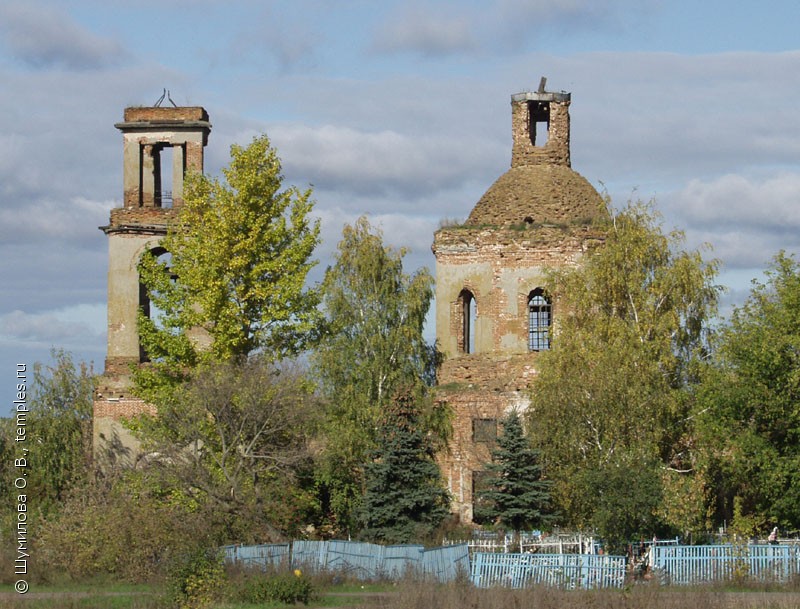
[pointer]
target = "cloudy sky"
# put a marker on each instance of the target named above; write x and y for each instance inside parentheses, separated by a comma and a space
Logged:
(396, 109)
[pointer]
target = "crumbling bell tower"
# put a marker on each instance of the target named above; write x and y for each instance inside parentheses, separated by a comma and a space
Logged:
(159, 145)
(494, 314)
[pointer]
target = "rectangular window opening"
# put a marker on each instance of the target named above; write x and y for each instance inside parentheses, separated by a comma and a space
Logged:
(539, 116)
(484, 430)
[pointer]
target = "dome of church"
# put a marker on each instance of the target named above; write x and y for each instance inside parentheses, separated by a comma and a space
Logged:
(538, 194)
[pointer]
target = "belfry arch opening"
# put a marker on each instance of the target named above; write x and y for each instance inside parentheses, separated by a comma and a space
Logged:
(540, 320)
(147, 307)
(468, 310)
(539, 126)
(163, 178)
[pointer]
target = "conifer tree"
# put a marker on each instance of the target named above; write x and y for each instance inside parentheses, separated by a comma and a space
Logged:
(405, 498)
(517, 496)
(373, 345)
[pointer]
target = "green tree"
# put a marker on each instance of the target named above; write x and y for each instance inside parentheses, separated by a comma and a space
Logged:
(517, 496)
(234, 439)
(375, 315)
(405, 497)
(622, 501)
(240, 251)
(231, 303)
(59, 429)
(751, 424)
(616, 390)
(120, 524)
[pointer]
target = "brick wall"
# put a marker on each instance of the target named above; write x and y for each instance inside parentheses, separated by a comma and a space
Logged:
(141, 216)
(555, 151)
(161, 114)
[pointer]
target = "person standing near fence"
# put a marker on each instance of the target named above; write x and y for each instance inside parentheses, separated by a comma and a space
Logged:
(773, 537)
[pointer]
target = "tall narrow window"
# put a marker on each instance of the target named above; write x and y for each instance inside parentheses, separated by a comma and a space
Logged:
(539, 321)
(150, 310)
(480, 504)
(539, 127)
(466, 340)
(163, 176)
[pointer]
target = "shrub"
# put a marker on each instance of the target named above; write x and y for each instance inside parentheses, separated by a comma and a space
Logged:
(111, 526)
(286, 588)
(196, 580)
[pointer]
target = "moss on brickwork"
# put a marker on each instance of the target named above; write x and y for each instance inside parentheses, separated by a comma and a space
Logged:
(538, 194)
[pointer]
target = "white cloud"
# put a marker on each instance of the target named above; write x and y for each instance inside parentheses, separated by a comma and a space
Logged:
(75, 220)
(450, 28)
(426, 30)
(78, 327)
(734, 200)
(746, 220)
(44, 37)
(374, 163)
(275, 34)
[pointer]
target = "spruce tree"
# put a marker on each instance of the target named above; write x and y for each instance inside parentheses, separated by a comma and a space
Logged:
(405, 498)
(373, 344)
(516, 495)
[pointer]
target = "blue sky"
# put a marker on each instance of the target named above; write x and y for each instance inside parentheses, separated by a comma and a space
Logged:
(399, 110)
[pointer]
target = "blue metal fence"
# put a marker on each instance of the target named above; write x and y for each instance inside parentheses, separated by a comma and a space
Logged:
(698, 564)
(371, 561)
(559, 570)
(258, 556)
(446, 563)
(368, 561)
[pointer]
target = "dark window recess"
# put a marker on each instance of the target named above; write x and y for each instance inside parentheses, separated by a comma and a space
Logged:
(539, 113)
(480, 505)
(484, 430)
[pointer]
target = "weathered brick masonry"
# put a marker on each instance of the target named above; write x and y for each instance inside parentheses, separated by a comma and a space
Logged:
(537, 216)
(133, 229)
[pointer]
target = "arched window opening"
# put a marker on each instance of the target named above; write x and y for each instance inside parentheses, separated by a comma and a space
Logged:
(540, 319)
(148, 308)
(469, 313)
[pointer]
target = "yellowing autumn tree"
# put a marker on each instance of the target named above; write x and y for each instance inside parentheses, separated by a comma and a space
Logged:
(234, 283)
(228, 306)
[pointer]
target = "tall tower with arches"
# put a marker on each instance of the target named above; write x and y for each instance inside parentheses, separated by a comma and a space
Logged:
(160, 144)
(494, 314)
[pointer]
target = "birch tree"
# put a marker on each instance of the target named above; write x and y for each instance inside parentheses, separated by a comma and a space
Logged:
(615, 392)
(373, 343)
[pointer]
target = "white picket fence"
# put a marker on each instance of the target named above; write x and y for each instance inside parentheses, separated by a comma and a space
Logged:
(531, 543)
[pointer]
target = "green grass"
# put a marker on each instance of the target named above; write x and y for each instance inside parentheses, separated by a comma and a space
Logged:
(72, 598)
(409, 595)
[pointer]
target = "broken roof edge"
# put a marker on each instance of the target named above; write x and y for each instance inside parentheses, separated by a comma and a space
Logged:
(545, 96)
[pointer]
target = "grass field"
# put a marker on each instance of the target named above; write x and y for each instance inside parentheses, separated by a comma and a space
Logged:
(143, 596)
(415, 595)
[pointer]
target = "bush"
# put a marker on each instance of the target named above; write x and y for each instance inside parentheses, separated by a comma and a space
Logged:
(196, 580)
(288, 588)
(112, 526)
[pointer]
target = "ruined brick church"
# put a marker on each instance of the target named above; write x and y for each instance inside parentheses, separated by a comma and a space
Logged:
(493, 310)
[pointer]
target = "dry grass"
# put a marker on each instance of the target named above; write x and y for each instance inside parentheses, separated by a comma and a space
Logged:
(463, 596)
